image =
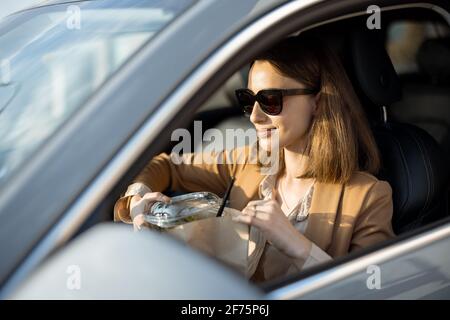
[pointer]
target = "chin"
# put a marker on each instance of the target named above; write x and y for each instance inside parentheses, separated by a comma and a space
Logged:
(264, 144)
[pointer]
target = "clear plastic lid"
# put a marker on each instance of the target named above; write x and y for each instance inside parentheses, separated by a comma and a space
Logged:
(182, 209)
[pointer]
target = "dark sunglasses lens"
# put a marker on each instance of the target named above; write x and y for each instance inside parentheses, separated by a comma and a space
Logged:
(246, 101)
(271, 103)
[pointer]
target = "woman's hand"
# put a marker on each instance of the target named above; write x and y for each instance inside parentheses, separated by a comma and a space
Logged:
(140, 205)
(268, 217)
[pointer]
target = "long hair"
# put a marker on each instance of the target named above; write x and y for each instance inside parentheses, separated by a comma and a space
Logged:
(341, 141)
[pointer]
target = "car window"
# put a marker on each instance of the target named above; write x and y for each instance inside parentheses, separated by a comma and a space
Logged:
(53, 58)
(404, 39)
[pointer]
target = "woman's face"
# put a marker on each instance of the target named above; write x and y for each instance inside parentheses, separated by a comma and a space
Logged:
(292, 123)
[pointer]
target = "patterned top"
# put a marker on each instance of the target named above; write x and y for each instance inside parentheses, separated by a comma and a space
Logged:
(273, 263)
(301, 210)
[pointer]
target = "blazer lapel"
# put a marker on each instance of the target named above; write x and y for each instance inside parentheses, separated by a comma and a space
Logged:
(322, 213)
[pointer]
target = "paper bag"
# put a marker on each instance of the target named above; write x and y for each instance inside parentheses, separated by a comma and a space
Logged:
(235, 244)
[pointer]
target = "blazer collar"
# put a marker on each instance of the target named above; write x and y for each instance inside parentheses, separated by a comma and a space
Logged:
(322, 213)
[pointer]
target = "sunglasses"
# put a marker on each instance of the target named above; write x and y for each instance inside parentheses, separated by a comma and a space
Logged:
(270, 100)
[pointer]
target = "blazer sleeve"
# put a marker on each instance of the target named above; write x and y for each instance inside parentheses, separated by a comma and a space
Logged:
(374, 224)
(191, 172)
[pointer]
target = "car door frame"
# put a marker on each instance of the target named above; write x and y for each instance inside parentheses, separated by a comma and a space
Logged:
(169, 112)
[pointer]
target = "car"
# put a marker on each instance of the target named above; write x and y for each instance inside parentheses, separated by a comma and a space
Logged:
(90, 91)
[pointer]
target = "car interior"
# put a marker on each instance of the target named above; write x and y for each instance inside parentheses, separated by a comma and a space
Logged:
(405, 94)
(401, 74)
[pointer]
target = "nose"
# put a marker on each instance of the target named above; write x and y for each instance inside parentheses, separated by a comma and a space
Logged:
(257, 115)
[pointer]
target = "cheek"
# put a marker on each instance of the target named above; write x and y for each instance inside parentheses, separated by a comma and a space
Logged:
(295, 120)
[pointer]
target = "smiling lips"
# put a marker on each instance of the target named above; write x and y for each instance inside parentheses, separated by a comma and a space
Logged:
(265, 133)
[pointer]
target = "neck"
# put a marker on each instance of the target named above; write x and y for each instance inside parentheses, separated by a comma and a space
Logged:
(295, 160)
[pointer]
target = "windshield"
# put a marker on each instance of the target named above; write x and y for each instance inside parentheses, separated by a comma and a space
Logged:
(53, 58)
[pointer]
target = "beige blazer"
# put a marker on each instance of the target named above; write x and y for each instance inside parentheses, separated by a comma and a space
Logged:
(342, 217)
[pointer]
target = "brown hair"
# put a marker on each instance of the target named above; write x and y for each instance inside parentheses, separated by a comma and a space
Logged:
(341, 139)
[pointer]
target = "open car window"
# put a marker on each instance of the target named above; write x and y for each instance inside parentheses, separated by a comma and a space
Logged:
(53, 58)
(213, 113)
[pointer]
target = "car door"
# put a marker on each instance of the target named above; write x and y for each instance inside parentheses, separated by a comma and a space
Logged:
(416, 266)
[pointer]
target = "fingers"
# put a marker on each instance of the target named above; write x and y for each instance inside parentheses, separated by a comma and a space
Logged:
(138, 222)
(246, 219)
(257, 203)
(256, 221)
(259, 210)
(248, 211)
(156, 196)
(140, 205)
(135, 199)
(250, 217)
(137, 206)
(267, 206)
(259, 214)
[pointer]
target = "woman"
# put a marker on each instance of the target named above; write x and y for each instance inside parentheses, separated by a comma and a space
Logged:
(325, 200)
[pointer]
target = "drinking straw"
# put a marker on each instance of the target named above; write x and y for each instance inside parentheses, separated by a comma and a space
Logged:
(225, 197)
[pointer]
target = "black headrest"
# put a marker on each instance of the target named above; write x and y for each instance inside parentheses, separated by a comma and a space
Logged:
(373, 68)
(416, 168)
(433, 58)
